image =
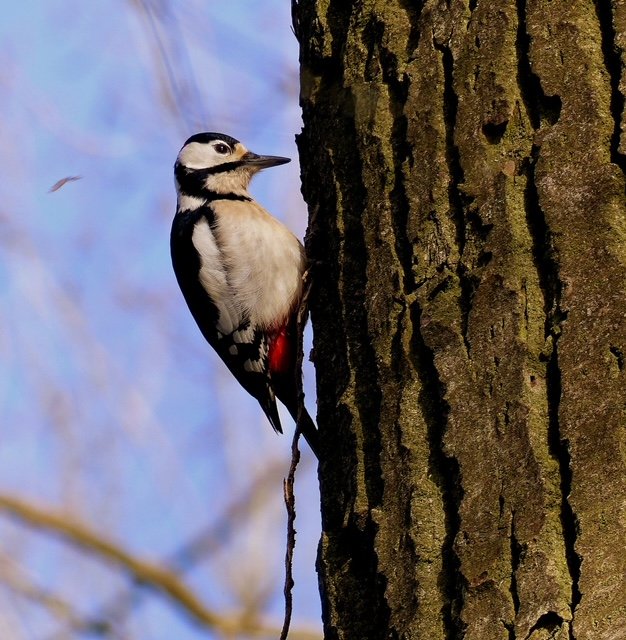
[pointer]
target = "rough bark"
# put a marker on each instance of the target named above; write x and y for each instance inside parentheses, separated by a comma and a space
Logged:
(463, 166)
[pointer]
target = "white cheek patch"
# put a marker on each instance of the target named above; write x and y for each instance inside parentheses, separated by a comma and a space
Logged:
(234, 181)
(196, 155)
(213, 277)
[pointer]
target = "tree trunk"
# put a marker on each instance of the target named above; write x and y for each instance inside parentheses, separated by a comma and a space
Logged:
(464, 171)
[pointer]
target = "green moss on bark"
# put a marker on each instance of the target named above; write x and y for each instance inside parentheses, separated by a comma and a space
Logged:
(461, 166)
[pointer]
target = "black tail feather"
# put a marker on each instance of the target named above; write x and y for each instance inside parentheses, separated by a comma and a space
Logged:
(271, 411)
(306, 425)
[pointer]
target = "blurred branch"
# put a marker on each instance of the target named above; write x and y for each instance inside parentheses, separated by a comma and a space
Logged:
(206, 542)
(213, 537)
(142, 571)
(14, 577)
(177, 78)
(63, 181)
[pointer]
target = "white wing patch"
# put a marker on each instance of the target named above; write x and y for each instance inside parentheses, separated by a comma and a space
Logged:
(189, 203)
(254, 365)
(213, 277)
(259, 364)
(244, 335)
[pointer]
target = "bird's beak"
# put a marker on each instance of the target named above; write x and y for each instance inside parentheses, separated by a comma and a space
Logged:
(263, 162)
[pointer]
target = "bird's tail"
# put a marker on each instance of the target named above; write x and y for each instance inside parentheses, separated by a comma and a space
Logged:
(268, 405)
(305, 424)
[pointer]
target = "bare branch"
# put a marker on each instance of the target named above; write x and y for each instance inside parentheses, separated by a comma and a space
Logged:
(15, 577)
(142, 571)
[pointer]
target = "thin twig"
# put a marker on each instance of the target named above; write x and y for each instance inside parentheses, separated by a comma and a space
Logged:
(290, 503)
(290, 499)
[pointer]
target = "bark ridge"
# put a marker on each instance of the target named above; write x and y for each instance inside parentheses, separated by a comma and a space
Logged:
(464, 168)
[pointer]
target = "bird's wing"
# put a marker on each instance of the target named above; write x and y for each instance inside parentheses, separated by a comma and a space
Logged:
(203, 279)
(246, 353)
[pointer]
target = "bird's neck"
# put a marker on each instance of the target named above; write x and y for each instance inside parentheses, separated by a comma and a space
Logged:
(204, 184)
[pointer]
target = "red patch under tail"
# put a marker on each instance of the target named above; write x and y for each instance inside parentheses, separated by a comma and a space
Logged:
(281, 352)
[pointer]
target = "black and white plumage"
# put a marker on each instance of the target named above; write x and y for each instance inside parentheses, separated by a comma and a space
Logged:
(240, 270)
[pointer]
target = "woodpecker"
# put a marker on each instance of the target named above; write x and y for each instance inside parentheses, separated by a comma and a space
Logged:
(240, 271)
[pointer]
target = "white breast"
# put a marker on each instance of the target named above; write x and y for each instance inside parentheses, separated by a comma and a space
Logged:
(251, 265)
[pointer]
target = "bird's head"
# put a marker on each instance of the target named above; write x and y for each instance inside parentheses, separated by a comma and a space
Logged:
(218, 163)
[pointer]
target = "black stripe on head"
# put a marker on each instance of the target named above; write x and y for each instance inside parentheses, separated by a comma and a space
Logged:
(192, 182)
(205, 138)
(225, 166)
(211, 196)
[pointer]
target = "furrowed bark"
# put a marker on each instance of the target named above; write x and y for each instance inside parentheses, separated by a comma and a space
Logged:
(464, 169)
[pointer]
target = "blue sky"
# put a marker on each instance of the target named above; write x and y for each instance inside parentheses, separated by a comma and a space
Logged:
(113, 408)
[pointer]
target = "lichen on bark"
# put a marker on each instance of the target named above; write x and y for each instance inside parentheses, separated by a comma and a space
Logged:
(462, 167)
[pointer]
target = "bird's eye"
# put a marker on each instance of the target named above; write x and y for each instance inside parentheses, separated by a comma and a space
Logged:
(222, 148)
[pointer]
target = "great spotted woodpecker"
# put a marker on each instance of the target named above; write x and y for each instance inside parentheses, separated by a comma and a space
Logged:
(240, 271)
